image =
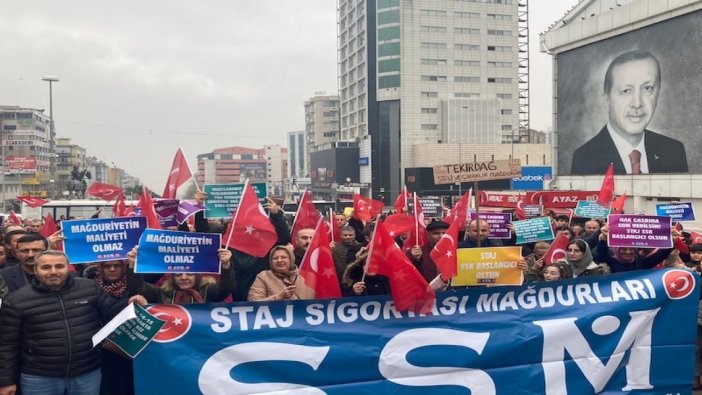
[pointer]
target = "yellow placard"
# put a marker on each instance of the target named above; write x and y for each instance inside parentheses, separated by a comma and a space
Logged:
(489, 266)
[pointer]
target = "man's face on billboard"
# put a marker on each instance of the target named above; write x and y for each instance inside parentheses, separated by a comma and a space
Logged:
(633, 96)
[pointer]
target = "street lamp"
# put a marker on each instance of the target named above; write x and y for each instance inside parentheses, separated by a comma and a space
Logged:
(52, 131)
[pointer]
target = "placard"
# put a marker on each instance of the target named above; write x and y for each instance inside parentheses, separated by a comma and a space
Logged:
(431, 206)
(532, 230)
(532, 210)
(477, 171)
(498, 223)
(490, 265)
(170, 251)
(166, 210)
(101, 239)
(590, 209)
(676, 211)
(640, 231)
(223, 199)
(131, 330)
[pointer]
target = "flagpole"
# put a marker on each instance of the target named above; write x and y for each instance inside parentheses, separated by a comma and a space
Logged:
(416, 220)
(370, 249)
(236, 213)
(299, 204)
(308, 251)
(331, 223)
(476, 188)
(197, 187)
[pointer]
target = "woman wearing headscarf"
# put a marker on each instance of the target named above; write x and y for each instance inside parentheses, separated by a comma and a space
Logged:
(184, 288)
(282, 281)
(579, 259)
(626, 259)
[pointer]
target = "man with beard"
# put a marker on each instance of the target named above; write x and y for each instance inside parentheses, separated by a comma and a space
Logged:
(16, 277)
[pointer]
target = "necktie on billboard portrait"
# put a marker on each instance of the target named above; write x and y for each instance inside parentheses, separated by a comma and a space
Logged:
(635, 158)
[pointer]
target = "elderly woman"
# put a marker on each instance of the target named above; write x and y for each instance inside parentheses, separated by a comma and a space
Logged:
(184, 288)
(282, 281)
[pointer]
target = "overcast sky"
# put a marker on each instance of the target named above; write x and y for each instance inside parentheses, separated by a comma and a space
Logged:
(138, 79)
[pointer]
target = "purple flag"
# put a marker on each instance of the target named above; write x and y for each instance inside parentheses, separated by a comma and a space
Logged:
(186, 209)
(640, 231)
(166, 210)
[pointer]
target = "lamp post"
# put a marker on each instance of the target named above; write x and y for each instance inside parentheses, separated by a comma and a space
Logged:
(52, 131)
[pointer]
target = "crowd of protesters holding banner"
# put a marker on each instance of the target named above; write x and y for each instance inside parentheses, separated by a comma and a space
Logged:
(37, 351)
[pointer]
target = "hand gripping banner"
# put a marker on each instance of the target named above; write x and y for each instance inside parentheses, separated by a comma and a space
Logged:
(611, 334)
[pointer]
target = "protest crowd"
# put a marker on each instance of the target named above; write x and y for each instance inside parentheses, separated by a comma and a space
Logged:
(51, 307)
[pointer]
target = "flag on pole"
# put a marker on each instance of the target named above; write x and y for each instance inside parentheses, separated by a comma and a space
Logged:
(14, 219)
(444, 252)
(695, 238)
(366, 208)
(105, 192)
(32, 201)
(410, 290)
(120, 207)
(557, 250)
(180, 183)
(418, 234)
(49, 228)
(399, 224)
(146, 205)
(317, 266)
(618, 204)
(604, 199)
(306, 216)
(402, 202)
(250, 231)
(460, 210)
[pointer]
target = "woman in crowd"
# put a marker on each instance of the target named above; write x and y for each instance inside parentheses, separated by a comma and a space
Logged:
(282, 281)
(554, 272)
(183, 288)
(627, 259)
(579, 260)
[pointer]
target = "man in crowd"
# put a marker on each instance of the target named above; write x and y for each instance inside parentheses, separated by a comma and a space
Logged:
(345, 251)
(17, 276)
(631, 87)
(33, 225)
(46, 340)
(591, 227)
(10, 240)
(478, 236)
(420, 257)
(302, 241)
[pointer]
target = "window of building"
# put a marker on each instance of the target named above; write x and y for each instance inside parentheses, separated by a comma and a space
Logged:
(466, 47)
(389, 49)
(389, 16)
(432, 29)
(436, 78)
(432, 12)
(499, 48)
(506, 111)
(388, 3)
(430, 110)
(434, 62)
(470, 15)
(499, 80)
(504, 96)
(467, 63)
(429, 126)
(507, 127)
(499, 64)
(388, 65)
(427, 45)
(466, 30)
(499, 17)
(430, 94)
(389, 33)
(389, 81)
(466, 94)
(495, 32)
(466, 79)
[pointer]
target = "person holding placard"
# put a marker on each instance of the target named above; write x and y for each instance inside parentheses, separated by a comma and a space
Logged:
(183, 288)
(624, 259)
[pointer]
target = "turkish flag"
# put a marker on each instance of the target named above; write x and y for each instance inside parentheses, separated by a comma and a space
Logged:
(418, 234)
(444, 252)
(13, 218)
(251, 230)
(410, 290)
(366, 208)
(146, 204)
(120, 207)
(317, 266)
(104, 191)
(399, 224)
(334, 229)
(402, 202)
(460, 210)
(306, 216)
(604, 199)
(557, 251)
(520, 209)
(49, 229)
(32, 201)
(618, 204)
(180, 183)
(695, 238)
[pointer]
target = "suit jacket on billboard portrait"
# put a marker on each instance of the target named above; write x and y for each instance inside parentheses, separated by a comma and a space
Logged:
(664, 154)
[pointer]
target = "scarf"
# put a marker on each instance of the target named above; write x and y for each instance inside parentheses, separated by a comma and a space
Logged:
(581, 265)
(185, 296)
(116, 289)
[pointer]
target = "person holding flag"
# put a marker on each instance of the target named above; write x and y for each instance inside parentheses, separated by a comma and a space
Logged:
(420, 255)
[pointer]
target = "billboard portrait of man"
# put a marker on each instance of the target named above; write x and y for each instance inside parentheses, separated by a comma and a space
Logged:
(631, 87)
(632, 99)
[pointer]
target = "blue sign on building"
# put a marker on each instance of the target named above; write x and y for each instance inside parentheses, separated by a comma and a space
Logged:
(532, 178)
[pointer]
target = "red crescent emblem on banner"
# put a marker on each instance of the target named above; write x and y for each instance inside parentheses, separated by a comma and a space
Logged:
(178, 322)
(678, 284)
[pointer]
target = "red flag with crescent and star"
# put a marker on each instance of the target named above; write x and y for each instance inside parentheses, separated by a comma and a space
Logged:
(410, 290)
(250, 231)
(695, 238)
(557, 250)
(317, 266)
(32, 201)
(306, 216)
(444, 252)
(14, 219)
(105, 192)
(120, 207)
(366, 208)
(179, 179)
(402, 202)
(460, 210)
(49, 228)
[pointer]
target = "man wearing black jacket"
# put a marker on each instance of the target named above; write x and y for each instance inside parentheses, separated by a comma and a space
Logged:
(47, 329)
